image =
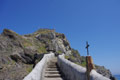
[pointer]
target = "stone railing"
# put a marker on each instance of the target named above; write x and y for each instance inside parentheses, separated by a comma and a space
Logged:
(36, 73)
(73, 71)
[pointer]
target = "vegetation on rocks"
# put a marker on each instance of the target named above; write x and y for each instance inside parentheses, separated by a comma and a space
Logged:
(59, 52)
(26, 43)
(41, 50)
(20, 53)
(74, 56)
(29, 69)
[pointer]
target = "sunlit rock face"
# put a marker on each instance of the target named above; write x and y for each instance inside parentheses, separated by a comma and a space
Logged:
(20, 53)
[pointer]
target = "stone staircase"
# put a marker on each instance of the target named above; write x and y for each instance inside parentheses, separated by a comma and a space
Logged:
(52, 71)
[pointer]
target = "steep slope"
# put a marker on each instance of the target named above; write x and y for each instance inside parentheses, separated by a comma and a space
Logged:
(20, 53)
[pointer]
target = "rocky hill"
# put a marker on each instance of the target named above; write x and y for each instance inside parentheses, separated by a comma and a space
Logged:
(20, 53)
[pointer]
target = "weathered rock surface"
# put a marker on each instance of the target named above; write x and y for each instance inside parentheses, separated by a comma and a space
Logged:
(20, 53)
(105, 72)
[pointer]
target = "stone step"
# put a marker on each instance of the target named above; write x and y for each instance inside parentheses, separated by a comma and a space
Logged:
(53, 62)
(53, 75)
(52, 72)
(52, 65)
(52, 69)
(53, 79)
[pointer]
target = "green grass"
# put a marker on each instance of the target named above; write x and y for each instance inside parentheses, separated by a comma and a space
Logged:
(72, 57)
(66, 57)
(26, 43)
(29, 69)
(42, 49)
(77, 63)
(59, 52)
(83, 64)
(43, 31)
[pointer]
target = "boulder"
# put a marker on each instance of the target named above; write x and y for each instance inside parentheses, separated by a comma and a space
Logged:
(9, 33)
(58, 45)
(16, 57)
(103, 71)
(50, 36)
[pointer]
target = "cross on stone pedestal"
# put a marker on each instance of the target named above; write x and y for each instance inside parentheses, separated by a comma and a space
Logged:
(87, 46)
(89, 62)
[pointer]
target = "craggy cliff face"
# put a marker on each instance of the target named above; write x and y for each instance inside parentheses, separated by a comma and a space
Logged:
(20, 53)
(17, 53)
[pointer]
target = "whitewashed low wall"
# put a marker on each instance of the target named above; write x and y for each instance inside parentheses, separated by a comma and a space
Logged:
(96, 76)
(73, 71)
(36, 73)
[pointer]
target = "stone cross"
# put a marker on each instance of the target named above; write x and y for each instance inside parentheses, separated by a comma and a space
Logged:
(87, 46)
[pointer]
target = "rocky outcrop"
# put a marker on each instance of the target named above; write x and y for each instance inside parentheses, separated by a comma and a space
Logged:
(20, 53)
(54, 42)
(105, 72)
(102, 70)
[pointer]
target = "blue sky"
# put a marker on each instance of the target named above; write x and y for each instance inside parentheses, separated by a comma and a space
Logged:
(95, 21)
